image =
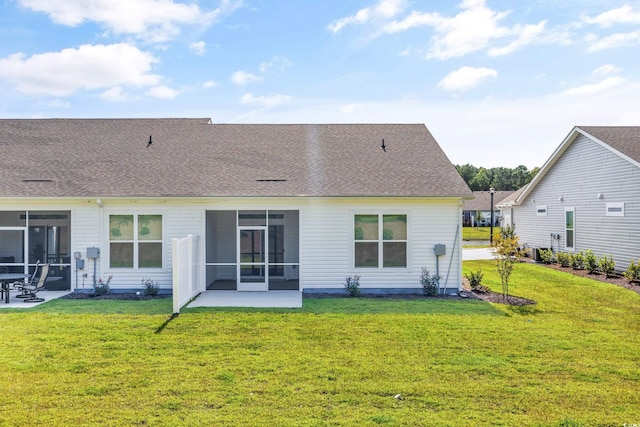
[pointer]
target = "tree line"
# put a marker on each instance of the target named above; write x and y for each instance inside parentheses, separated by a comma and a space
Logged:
(500, 178)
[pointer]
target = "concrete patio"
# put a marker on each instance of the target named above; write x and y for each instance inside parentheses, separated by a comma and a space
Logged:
(15, 302)
(271, 299)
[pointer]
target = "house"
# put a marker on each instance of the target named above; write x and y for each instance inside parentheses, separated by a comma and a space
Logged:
(480, 207)
(586, 196)
(272, 206)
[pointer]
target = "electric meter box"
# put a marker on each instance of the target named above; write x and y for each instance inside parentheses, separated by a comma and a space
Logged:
(440, 249)
(93, 252)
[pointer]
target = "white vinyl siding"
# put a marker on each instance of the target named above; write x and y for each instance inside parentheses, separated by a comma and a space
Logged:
(325, 235)
(584, 172)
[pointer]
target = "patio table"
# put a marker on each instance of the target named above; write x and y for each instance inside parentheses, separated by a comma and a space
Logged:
(6, 279)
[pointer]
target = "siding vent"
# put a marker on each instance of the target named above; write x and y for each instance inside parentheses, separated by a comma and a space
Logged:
(615, 209)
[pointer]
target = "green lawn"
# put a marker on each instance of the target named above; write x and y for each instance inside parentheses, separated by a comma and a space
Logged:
(479, 233)
(573, 359)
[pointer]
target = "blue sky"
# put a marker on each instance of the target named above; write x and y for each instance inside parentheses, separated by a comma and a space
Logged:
(498, 83)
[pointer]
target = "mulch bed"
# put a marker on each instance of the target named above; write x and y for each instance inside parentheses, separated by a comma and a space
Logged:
(113, 295)
(403, 296)
(616, 279)
(498, 298)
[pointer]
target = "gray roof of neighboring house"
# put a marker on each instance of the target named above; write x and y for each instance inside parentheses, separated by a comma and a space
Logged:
(194, 158)
(510, 198)
(482, 200)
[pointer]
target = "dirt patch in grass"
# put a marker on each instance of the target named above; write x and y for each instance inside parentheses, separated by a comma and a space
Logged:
(128, 296)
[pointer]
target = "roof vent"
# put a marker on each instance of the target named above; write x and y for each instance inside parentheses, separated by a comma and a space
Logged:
(37, 180)
(270, 180)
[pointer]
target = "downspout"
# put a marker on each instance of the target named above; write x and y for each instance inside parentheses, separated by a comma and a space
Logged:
(453, 251)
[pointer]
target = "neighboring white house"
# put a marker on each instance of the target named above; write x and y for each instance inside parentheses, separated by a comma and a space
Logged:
(586, 196)
(481, 203)
(295, 207)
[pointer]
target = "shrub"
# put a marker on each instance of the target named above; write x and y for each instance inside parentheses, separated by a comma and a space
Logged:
(101, 287)
(607, 265)
(564, 259)
(633, 271)
(590, 262)
(429, 282)
(475, 281)
(352, 285)
(546, 256)
(577, 261)
(151, 287)
(475, 278)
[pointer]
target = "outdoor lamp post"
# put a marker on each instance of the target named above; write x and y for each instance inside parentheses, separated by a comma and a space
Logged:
(491, 191)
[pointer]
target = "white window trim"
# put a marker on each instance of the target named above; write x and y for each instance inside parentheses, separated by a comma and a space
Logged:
(135, 241)
(615, 209)
(541, 210)
(573, 246)
(380, 241)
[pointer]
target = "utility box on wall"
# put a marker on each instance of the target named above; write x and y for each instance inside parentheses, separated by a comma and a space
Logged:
(93, 253)
(440, 249)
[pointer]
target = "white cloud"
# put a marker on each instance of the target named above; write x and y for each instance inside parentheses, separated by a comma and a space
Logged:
(466, 78)
(384, 9)
(55, 103)
(606, 69)
(594, 88)
(613, 41)
(151, 20)
(115, 94)
(264, 101)
(242, 78)
(88, 67)
(198, 47)
(525, 35)
(162, 92)
(621, 15)
(210, 84)
(474, 28)
(277, 62)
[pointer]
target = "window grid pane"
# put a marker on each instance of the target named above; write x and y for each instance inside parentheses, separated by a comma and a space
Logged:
(366, 254)
(150, 255)
(394, 254)
(150, 227)
(395, 227)
(121, 255)
(366, 227)
(121, 227)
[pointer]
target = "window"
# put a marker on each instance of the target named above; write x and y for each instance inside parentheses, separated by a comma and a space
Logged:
(380, 241)
(569, 219)
(135, 241)
(541, 210)
(615, 209)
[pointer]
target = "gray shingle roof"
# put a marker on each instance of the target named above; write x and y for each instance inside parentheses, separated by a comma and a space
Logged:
(192, 158)
(482, 200)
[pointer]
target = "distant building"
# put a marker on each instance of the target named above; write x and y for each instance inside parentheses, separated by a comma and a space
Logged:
(482, 203)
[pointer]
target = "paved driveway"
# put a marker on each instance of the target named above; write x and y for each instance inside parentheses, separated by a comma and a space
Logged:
(480, 253)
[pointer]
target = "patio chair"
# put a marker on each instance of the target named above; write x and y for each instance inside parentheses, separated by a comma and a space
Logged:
(19, 286)
(33, 288)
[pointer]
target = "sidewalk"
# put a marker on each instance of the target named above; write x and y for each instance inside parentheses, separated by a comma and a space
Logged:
(472, 254)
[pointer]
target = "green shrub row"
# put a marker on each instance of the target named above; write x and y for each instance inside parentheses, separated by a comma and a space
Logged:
(587, 260)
